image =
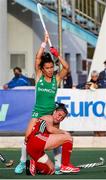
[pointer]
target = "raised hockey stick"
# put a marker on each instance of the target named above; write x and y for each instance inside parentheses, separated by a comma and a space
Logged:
(39, 7)
(5, 161)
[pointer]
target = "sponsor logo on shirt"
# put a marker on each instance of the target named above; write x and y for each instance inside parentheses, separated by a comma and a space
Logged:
(46, 90)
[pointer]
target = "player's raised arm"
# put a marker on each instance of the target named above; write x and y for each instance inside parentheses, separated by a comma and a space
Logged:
(65, 66)
(40, 53)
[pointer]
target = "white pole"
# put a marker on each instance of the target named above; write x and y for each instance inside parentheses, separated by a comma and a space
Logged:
(3, 43)
(100, 51)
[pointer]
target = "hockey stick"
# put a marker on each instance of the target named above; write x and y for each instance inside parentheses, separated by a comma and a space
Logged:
(39, 7)
(4, 160)
(91, 165)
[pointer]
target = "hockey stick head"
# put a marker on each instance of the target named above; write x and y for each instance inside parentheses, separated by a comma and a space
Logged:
(102, 160)
(9, 163)
(4, 160)
(40, 10)
(39, 6)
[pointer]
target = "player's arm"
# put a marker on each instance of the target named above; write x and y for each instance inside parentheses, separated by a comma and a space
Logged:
(32, 122)
(39, 55)
(50, 127)
(65, 66)
(64, 70)
(53, 130)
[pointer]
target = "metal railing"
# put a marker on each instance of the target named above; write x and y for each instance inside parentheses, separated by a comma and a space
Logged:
(91, 9)
(86, 13)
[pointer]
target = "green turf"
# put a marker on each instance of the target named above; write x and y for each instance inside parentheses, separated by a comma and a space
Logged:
(79, 156)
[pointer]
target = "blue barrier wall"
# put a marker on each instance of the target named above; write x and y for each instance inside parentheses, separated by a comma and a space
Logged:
(15, 109)
(87, 109)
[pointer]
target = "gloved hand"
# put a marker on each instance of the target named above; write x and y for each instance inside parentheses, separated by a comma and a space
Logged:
(54, 51)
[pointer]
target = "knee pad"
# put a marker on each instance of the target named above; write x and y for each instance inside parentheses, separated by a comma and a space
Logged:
(43, 159)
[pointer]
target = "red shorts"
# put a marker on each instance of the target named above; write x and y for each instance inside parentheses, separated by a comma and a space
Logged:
(35, 145)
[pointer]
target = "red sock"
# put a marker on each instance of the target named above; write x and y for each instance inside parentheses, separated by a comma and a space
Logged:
(66, 152)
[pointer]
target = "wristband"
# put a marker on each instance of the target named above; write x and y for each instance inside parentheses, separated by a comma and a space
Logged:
(43, 45)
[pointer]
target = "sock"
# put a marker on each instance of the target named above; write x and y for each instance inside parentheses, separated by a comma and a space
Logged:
(66, 152)
(23, 153)
(57, 157)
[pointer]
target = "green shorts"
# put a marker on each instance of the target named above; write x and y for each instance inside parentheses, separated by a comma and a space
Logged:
(38, 114)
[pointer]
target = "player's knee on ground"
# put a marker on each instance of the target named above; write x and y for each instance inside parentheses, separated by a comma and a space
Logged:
(44, 165)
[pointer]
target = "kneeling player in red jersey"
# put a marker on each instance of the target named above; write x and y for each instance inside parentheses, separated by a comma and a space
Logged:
(46, 135)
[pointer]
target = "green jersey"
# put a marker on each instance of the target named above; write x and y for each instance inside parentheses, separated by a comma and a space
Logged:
(45, 97)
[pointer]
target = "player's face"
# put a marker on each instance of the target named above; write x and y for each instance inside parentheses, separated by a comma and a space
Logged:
(17, 73)
(48, 69)
(58, 116)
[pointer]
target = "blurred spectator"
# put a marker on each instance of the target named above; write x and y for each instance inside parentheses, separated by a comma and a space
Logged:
(102, 76)
(94, 82)
(32, 81)
(18, 80)
(67, 81)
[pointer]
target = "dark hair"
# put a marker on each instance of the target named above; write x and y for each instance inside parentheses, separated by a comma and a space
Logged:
(105, 62)
(17, 68)
(46, 58)
(61, 106)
